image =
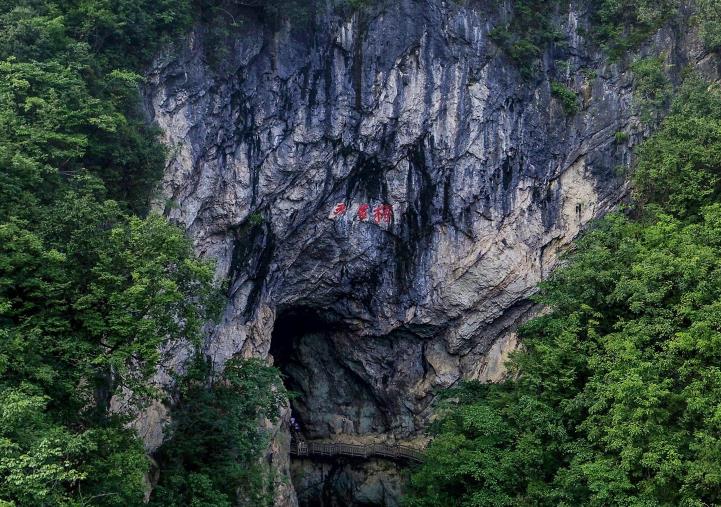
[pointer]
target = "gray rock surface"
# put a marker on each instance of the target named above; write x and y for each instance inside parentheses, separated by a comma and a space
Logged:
(409, 104)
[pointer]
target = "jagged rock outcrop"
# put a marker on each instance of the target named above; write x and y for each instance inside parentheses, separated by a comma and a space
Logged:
(474, 180)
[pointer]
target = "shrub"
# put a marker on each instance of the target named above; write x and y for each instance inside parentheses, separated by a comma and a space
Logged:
(215, 437)
(568, 98)
(652, 88)
(527, 33)
(621, 25)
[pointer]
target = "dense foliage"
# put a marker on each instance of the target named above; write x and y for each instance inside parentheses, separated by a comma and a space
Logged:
(679, 167)
(69, 100)
(86, 297)
(212, 456)
(90, 291)
(615, 398)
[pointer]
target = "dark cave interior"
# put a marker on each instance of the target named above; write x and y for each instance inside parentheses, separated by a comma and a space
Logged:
(333, 393)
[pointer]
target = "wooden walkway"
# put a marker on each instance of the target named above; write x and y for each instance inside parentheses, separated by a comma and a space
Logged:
(394, 452)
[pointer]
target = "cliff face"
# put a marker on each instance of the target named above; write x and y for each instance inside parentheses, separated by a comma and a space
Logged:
(384, 192)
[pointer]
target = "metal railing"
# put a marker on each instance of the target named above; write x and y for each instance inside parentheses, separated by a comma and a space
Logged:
(394, 452)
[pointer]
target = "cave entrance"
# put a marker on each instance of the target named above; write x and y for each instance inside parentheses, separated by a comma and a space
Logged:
(337, 391)
(332, 394)
(291, 326)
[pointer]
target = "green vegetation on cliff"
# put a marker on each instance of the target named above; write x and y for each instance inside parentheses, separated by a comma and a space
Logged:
(614, 398)
(621, 25)
(212, 457)
(618, 26)
(527, 33)
(91, 286)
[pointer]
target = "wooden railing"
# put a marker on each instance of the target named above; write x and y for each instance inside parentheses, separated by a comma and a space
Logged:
(394, 452)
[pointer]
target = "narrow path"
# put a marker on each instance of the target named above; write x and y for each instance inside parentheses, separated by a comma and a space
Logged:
(393, 452)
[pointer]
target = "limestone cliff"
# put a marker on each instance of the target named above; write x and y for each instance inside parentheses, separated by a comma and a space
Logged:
(384, 192)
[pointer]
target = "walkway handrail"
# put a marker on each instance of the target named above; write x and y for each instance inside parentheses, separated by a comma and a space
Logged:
(396, 452)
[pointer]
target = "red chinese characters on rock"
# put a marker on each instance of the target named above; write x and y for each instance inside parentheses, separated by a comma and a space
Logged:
(380, 213)
(340, 209)
(363, 212)
(388, 213)
(383, 213)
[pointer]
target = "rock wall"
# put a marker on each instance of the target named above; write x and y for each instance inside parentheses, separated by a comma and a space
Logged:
(386, 191)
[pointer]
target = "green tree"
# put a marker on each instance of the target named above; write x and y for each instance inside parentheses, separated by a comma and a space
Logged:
(679, 166)
(87, 297)
(88, 292)
(69, 92)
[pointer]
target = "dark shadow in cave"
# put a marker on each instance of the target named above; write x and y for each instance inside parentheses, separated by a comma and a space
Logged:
(290, 326)
(331, 394)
